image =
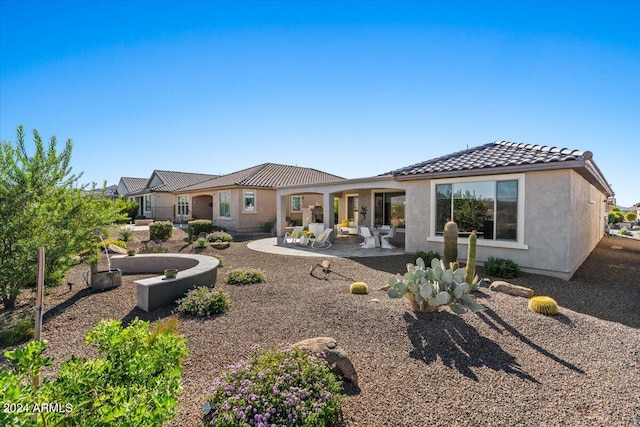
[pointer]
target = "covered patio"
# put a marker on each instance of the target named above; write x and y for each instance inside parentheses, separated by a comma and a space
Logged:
(345, 207)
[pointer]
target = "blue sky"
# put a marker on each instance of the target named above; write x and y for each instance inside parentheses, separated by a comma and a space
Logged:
(352, 88)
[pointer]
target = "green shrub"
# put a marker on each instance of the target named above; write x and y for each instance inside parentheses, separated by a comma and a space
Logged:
(199, 226)
(16, 332)
(105, 243)
(427, 257)
(220, 236)
(241, 276)
(615, 216)
(625, 232)
(284, 387)
(630, 216)
(203, 301)
(160, 230)
(201, 243)
(503, 268)
(136, 382)
(126, 234)
(268, 226)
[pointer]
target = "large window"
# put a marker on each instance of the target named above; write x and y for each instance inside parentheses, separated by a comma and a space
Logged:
(225, 204)
(389, 209)
(183, 205)
(249, 204)
(488, 207)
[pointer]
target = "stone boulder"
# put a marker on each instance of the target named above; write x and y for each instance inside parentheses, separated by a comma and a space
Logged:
(511, 289)
(335, 355)
(117, 249)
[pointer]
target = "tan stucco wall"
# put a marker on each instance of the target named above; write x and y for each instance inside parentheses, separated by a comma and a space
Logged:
(163, 205)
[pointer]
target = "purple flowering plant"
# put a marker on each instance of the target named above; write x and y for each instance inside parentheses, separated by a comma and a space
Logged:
(203, 301)
(276, 387)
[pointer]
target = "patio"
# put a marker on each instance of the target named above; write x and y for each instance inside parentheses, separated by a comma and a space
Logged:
(342, 247)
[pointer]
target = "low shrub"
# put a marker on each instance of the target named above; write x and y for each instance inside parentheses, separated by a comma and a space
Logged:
(242, 276)
(126, 234)
(220, 236)
(16, 332)
(203, 301)
(160, 230)
(283, 387)
(198, 226)
(427, 257)
(200, 243)
(503, 268)
(268, 226)
(105, 243)
(135, 382)
(625, 232)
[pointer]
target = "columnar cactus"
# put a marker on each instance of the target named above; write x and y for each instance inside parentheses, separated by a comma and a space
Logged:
(470, 277)
(450, 243)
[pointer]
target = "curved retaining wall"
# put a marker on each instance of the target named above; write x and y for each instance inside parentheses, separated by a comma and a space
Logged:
(154, 292)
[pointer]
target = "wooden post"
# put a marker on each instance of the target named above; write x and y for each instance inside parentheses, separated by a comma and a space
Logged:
(39, 293)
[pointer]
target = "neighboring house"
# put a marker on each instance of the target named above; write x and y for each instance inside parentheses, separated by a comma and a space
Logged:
(245, 200)
(542, 207)
(156, 195)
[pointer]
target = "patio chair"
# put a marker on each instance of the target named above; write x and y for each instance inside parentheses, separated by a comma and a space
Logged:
(295, 234)
(369, 239)
(384, 240)
(321, 241)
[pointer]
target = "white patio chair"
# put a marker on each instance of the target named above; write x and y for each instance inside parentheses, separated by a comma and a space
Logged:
(384, 240)
(322, 240)
(369, 239)
(295, 234)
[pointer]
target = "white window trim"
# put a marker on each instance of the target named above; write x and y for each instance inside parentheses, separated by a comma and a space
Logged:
(255, 202)
(518, 244)
(291, 201)
(220, 204)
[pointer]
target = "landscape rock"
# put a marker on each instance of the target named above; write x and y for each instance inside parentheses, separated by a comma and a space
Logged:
(117, 249)
(335, 355)
(511, 289)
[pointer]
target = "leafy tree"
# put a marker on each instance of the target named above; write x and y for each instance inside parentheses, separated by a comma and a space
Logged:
(42, 204)
(129, 208)
(615, 215)
(630, 216)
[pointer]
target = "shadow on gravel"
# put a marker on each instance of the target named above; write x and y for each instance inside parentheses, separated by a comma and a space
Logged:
(390, 264)
(458, 345)
(492, 319)
(54, 311)
(139, 313)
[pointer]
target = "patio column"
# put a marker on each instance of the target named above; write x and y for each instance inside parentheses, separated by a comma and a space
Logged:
(281, 214)
(328, 211)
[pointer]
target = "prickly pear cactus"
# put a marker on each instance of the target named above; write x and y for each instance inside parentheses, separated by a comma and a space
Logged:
(450, 243)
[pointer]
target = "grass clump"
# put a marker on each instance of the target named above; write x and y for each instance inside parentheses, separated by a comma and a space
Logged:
(243, 276)
(203, 301)
(220, 236)
(126, 234)
(16, 332)
(283, 387)
(200, 243)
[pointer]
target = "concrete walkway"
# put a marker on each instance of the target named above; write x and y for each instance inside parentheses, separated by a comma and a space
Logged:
(341, 248)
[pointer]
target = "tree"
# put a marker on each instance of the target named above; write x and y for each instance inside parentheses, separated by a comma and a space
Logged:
(615, 215)
(630, 216)
(42, 204)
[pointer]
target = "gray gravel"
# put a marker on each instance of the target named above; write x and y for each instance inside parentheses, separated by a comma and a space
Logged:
(506, 366)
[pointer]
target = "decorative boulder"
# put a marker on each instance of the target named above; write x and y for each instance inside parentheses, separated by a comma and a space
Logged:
(117, 249)
(508, 288)
(337, 358)
(220, 245)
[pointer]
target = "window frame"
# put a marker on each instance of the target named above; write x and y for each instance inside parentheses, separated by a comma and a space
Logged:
(183, 206)
(519, 177)
(227, 203)
(292, 207)
(253, 209)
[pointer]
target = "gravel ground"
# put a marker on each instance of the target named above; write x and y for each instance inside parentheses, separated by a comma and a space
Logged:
(506, 366)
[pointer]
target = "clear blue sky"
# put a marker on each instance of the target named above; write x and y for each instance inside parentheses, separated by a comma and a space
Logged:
(351, 88)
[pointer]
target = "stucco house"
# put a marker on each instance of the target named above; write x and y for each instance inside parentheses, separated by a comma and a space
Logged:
(245, 200)
(540, 206)
(156, 195)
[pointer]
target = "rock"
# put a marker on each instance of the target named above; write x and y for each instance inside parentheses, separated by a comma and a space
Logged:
(337, 358)
(117, 249)
(508, 288)
(220, 245)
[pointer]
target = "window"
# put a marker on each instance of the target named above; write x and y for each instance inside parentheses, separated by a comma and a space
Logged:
(488, 207)
(225, 204)
(389, 209)
(183, 205)
(296, 203)
(147, 203)
(249, 201)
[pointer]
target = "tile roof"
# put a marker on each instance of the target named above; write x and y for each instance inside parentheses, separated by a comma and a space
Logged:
(172, 181)
(497, 154)
(269, 175)
(134, 184)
